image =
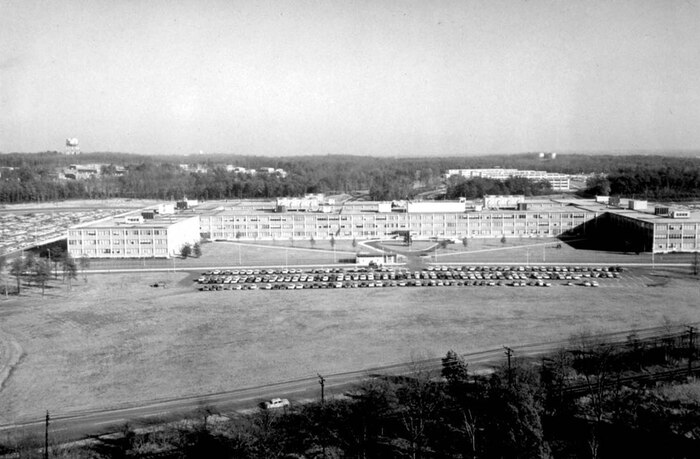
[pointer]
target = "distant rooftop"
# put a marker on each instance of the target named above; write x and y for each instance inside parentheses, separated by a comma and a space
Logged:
(159, 221)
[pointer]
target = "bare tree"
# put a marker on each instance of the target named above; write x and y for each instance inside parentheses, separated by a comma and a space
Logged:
(418, 403)
(29, 265)
(43, 274)
(56, 256)
(3, 263)
(16, 269)
(84, 262)
(70, 270)
(594, 360)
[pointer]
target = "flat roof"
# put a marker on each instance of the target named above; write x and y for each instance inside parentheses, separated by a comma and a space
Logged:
(646, 215)
(650, 217)
(159, 221)
(267, 207)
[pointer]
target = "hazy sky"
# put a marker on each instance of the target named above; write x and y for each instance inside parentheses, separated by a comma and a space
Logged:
(372, 77)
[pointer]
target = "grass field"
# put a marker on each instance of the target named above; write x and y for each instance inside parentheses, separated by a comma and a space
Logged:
(231, 254)
(114, 340)
(528, 250)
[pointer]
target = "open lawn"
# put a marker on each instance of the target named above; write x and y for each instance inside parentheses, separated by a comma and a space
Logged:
(232, 254)
(115, 341)
(524, 251)
(300, 253)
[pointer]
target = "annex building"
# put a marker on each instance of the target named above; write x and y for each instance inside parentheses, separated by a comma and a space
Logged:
(152, 233)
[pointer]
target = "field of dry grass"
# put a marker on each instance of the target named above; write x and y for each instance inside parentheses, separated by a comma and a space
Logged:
(115, 341)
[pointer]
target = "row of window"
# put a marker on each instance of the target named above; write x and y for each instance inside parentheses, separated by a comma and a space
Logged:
(103, 252)
(415, 226)
(676, 227)
(378, 217)
(129, 232)
(543, 230)
(102, 242)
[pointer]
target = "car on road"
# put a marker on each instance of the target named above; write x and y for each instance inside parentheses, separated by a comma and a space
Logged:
(276, 403)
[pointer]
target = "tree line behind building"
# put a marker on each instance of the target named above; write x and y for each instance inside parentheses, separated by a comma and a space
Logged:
(33, 177)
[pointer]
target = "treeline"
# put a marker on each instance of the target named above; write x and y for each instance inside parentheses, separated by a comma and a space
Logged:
(663, 183)
(159, 177)
(461, 187)
(591, 399)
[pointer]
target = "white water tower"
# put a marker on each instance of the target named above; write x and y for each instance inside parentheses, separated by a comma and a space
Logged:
(72, 146)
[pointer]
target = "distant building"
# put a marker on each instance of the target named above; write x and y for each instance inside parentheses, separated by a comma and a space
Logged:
(378, 259)
(197, 168)
(82, 171)
(503, 201)
(264, 170)
(186, 204)
(5, 170)
(559, 182)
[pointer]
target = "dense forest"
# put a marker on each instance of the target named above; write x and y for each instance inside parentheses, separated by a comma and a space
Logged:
(35, 176)
(591, 399)
(460, 187)
(662, 183)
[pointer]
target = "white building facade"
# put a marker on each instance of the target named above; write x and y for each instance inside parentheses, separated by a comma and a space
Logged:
(131, 236)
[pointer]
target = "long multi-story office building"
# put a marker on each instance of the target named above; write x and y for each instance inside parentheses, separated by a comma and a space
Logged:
(630, 224)
(495, 216)
(430, 219)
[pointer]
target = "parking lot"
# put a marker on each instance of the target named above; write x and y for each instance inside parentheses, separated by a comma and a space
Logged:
(433, 276)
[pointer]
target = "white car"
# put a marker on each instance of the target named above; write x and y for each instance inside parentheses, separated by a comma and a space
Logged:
(276, 403)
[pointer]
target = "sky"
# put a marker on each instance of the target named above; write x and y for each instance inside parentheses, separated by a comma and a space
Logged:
(377, 77)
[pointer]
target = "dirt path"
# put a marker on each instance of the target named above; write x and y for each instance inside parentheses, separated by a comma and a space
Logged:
(10, 354)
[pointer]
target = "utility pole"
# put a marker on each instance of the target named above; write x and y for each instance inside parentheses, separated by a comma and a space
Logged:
(46, 437)
(322, 382)
(509, 353)
(691, 349)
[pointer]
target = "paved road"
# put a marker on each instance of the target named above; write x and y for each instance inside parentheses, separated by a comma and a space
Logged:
(77, 425)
